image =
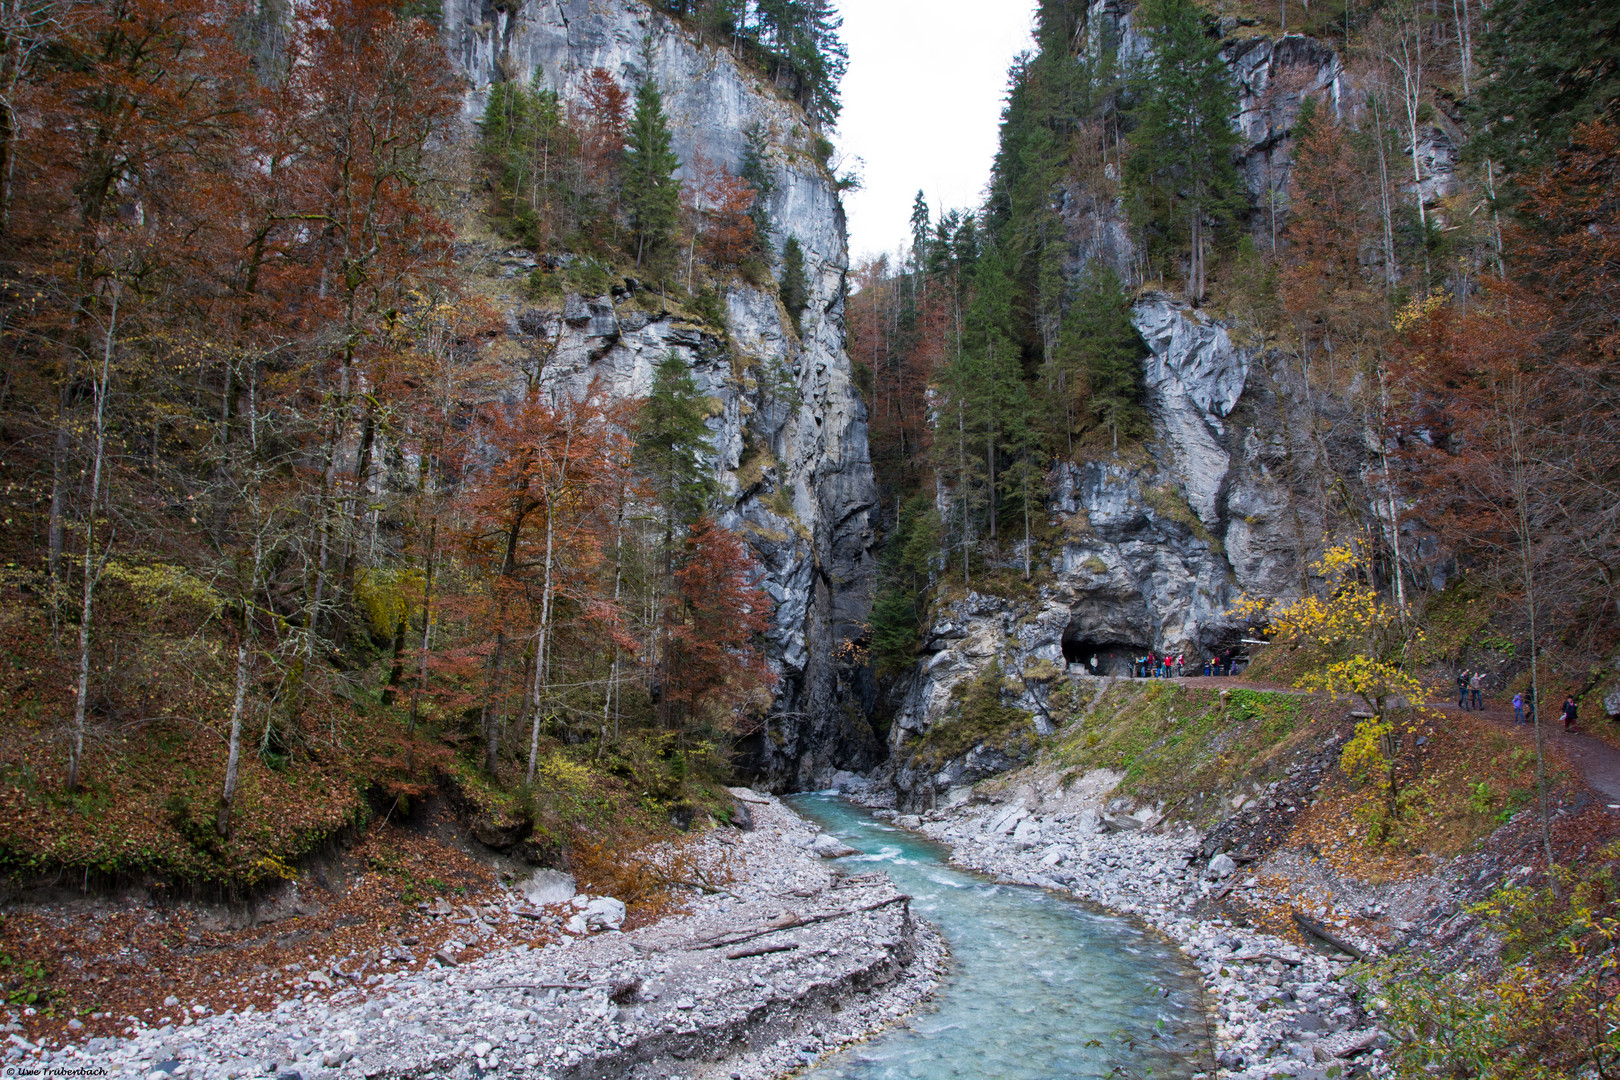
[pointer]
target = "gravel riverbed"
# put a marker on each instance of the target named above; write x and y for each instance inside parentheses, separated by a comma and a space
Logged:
(789, 960)
(1276, 1009)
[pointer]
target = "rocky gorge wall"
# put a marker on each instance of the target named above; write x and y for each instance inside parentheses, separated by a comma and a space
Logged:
(1156, 547)
(788, 427)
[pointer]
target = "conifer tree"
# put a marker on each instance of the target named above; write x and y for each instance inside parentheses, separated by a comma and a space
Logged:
(652, 197)
(910, 553)
(1100, 358)
(756, 171)
(1180, 178)
(1554, 64)
(794, 287)
(919, 232)
(672, 444)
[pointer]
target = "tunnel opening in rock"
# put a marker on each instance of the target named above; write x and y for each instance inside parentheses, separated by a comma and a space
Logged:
(1100, 657)
(1231, 649)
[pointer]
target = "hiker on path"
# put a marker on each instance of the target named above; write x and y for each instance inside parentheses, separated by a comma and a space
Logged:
(1474, 689)
(1569, 713)
(1462, 689)
(1518, 708)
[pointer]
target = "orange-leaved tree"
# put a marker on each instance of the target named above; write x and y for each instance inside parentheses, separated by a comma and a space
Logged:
(714, 665)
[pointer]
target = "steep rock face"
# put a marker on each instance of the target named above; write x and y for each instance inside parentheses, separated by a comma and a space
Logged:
(1154, 553)
(789, 430)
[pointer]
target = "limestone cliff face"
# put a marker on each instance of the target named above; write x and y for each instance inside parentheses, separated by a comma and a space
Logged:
(789, 429)
(1155, 551)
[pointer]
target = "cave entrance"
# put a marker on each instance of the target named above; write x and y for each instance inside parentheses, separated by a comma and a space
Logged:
(1096, 657)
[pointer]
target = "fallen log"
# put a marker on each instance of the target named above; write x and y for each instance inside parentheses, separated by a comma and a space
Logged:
(761, 950)
(1317, 930)
(1250, 958)
(539, 986)
(794, 924)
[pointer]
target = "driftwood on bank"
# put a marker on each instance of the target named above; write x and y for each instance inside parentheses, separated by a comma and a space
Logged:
(761, 950)
(793, 924)
(1317, 930)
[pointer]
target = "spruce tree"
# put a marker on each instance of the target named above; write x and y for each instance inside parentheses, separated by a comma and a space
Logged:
(672, 445)
(919, 232)
(1101, 355)
(794, 287)
(907, 569)
(652, 196)
(1552, 65)
(1180, 179)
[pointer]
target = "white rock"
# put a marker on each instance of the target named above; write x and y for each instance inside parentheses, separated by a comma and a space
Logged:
(548, 887)
(604, 913)
(830, 847)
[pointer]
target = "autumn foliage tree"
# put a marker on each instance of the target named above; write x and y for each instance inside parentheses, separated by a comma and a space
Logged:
(714, 663)
(722, 206)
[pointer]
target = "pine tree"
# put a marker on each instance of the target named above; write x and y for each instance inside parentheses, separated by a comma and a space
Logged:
(652, 197)
(1100, 358)
(672, 444)
(1554, 64)
(794, 287)
(1180, 178)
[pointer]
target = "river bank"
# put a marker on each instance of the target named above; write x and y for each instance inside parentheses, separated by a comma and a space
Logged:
(1276, 1009)
(783, 958)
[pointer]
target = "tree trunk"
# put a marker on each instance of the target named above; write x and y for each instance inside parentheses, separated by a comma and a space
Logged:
(92, 571)
(427, 624)
(227, 795)
(398, 670)
(1386, 201)
(1521, 495)
(543, 643)
(53, 562)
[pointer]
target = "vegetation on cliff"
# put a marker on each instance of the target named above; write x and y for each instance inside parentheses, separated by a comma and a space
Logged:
(281, 548)
(1439, 328)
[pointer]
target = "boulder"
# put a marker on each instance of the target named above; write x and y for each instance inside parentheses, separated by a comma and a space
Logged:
(1222, 865)
(830, 847)
(604, 913)
(548, 887)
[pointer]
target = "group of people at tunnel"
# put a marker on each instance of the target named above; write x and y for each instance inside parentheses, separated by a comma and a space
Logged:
(1154, 666)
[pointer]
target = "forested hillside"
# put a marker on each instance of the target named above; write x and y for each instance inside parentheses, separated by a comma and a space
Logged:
(1402, 214)
(300, 525)
(1284, 332)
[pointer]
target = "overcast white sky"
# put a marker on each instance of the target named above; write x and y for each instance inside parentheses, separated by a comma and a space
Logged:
(922, 102)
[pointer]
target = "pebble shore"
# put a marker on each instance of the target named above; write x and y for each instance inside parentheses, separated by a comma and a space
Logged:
(1276, 1009)
(789, 961)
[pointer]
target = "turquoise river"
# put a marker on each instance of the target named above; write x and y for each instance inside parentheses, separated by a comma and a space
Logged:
(1040, 987)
